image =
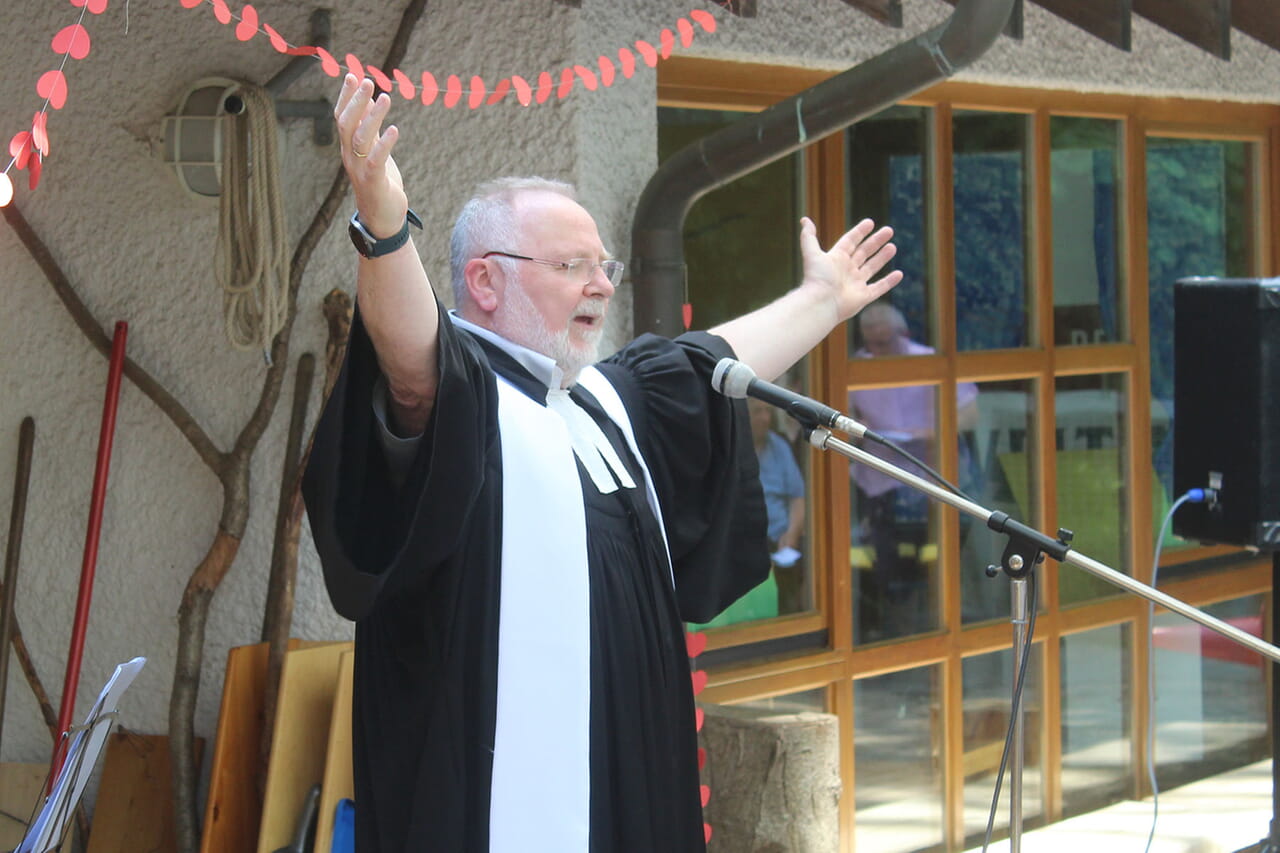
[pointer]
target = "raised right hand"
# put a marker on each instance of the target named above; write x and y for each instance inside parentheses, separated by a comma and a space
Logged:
(366, 156)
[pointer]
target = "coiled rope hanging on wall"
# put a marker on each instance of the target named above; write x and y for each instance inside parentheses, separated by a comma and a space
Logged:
(251, 261)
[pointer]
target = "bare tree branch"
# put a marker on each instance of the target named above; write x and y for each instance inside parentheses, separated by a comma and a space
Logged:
(98, 337)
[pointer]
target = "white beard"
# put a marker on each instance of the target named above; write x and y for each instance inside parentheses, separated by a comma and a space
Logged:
(519, 321)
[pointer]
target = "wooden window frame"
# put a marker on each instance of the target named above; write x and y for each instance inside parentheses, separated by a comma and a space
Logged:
(713, 84)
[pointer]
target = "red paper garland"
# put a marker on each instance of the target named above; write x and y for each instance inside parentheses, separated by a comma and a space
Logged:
(28, 148)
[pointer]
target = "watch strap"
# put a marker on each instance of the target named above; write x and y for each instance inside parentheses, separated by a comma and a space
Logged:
(372, 247)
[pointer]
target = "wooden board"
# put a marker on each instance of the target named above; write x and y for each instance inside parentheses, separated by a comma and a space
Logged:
(303, 717)
(134, 809)
(233, 808)
(338, 779)
(21, 789)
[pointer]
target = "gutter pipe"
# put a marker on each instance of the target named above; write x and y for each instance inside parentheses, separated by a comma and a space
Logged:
(657, 240)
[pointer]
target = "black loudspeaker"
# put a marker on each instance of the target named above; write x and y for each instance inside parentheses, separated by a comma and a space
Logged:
(1226, 405)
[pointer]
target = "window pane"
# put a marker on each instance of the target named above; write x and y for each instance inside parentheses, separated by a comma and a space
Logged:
(1095, 719)
(988, 691)
(784, 456)
(1211, 695)
(1091, 488)
(740, 241)
(1199, 222)
(894, 529)
(889, 182)
(791, 703)
(996, 473)
(990, 176)
(898, 760)
(1086, 228)
(741, 252)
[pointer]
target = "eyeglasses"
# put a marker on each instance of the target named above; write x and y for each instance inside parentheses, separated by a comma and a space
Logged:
(580, 270)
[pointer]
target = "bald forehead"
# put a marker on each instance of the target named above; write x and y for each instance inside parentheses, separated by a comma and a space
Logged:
(556, 223)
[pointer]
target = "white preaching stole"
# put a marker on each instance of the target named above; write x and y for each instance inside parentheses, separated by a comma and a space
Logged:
(541, 792)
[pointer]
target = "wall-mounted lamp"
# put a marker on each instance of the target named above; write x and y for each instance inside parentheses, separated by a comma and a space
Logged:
(193, 132)
(193, 135)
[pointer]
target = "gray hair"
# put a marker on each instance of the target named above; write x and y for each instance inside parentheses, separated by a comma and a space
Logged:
(487, 223)
(882, 314)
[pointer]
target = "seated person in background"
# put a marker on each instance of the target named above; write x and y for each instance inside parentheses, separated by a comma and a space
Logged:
(784, 504)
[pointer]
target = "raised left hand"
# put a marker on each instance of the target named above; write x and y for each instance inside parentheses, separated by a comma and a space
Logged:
(846, 269)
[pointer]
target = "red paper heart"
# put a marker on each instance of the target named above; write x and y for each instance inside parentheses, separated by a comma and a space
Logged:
(96, 7)
(699, 681)
(686, 314)
(327, 63)
(6, 189)
(698, 717)
(381, 80)
(695, 643)
(355, 66)
(40, 132)
(20, 148)
(53, 85)
(704, 19)
(706, 832)
(706, 795)
(248, 26)
(668, 43)
(606, 71)
(524, 92)
(277, 40)
(628, 61)
(647, 52)
(430, 88)
(587, 76)
(545, 85)
(407, 89)
(190, 4)
(452, 91)
(702, 758)
(221, 12)
(499, 91)
(73, 41)
(33, 172)
(566, 84)
(686, 31)
(478, 91)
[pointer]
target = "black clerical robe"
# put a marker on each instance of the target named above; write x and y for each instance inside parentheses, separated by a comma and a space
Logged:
(419, 569)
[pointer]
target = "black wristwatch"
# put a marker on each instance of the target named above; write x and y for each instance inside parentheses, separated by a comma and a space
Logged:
(371, 247)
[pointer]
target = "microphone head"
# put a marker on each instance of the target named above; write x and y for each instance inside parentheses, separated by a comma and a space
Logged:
(731, 378)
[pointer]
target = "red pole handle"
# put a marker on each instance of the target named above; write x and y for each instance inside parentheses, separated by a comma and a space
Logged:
(72, 680)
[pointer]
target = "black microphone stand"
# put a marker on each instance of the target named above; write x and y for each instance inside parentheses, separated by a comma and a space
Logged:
(1026, 548)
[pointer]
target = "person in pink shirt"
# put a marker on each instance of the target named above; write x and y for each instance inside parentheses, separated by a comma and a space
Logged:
(888, 513)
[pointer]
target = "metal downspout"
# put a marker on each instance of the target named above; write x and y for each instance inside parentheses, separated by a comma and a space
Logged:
(657, 241)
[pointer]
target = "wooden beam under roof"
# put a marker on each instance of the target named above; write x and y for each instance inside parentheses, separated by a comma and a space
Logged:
(1257, 18)
(741, 8)
(888, 12)
(1012, 28)
(1108, 20)
(1204, 23)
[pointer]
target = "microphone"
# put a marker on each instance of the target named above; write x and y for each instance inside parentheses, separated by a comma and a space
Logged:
(734, 379)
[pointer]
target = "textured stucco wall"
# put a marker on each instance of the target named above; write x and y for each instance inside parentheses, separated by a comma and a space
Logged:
(138, 248)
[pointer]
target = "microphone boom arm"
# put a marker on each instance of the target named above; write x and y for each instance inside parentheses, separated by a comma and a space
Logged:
(1026, 544)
